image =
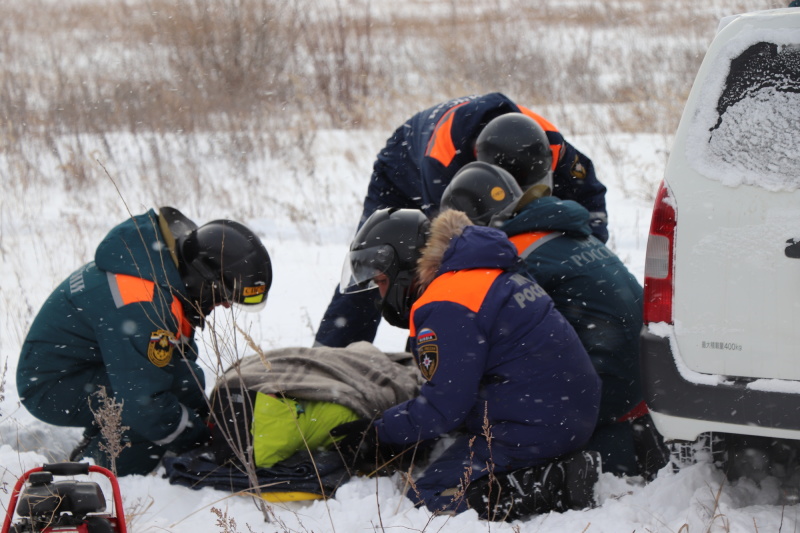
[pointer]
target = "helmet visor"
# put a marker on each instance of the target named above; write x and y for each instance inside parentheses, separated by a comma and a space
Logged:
(361, 267)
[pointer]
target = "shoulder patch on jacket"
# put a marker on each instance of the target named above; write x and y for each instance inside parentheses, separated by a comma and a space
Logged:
(426, 335)
(428, 356)
(76, 282)
(577, 170)
(162, 344)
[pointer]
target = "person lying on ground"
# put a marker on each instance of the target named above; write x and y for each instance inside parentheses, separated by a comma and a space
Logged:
(287, 400)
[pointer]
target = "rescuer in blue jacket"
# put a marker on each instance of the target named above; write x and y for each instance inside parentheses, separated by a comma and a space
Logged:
(424, 154)
(496, 356)
(125, 322)
(589, 285)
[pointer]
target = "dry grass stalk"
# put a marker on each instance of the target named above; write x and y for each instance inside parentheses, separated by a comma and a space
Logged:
(108, 417)
(225, 350)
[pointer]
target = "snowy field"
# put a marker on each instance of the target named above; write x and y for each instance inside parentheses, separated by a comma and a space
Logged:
(307, 267)
(49, 227)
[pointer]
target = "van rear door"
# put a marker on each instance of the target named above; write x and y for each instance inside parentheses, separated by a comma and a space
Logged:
(734, 178)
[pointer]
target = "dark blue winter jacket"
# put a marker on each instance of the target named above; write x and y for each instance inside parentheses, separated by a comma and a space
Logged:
(422, 156)
(489, 342)
(117, 322)
(591, 287)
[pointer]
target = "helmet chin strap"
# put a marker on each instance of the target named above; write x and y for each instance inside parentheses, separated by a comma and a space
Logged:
(540, 190)
(173, 225)
(396, 306)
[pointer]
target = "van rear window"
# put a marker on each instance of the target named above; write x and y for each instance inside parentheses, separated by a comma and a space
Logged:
(747, 127)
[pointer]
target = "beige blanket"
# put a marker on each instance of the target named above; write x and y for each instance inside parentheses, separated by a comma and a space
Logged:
(359, 376)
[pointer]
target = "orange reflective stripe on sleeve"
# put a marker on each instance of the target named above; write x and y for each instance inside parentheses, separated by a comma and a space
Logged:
(127, 289)
(131, 289)
(441, 146)
(546, 126)
(463, 287)
(184, 325)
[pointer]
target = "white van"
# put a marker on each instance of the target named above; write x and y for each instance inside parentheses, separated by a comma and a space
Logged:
(721, 341)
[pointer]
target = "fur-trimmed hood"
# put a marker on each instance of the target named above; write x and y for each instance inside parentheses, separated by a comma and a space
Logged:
(456, 244)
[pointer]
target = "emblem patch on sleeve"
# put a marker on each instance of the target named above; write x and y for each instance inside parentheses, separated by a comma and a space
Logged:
(428, 356)
(162, 344)
(578, 170)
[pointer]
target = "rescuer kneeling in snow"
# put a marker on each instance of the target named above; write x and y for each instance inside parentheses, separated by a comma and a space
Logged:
(502, 367)
(124, 324)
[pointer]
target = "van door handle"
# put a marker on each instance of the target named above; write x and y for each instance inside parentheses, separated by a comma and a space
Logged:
(793, 250)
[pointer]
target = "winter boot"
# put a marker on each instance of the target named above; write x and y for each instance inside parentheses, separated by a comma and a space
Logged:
(564, 484)
(581, 472)
(518, 494)
(89, 435)
(651, 453)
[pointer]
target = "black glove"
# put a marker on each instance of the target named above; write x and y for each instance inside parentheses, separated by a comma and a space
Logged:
(360, 439)
(196, 434)
(599, 224)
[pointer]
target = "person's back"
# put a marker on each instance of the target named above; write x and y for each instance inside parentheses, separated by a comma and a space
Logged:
(591, 287)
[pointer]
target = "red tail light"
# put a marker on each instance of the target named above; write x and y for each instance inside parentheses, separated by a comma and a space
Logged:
(658, 288)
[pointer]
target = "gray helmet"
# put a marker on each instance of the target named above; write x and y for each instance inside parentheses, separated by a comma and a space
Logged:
(518, 144)
(224, 262)
(486, 193)
(389, 242)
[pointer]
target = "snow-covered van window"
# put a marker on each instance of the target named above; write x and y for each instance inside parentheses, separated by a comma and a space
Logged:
(746, 128)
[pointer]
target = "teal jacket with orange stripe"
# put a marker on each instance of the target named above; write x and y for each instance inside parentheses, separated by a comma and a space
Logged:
(116, 323)
(591, 287)
(489, 342)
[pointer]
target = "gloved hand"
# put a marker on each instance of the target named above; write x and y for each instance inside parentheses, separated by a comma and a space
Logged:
(195, 435)
(359, 439)
(598, 221)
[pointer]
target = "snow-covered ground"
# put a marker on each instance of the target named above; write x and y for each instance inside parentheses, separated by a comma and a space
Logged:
(44, 237)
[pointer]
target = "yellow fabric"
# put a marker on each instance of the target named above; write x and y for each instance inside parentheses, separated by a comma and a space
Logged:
(280, 497)
(280, 425)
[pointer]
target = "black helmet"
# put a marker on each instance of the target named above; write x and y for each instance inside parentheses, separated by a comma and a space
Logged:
(224, 262)
(486, 193)
(389, 242)
(518, 144)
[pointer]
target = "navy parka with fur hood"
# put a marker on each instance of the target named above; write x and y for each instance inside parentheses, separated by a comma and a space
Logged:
(490, 342)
